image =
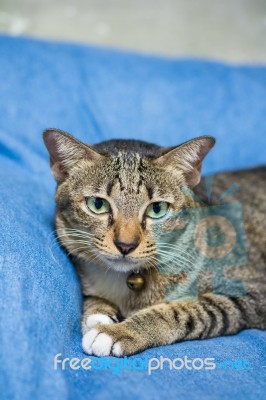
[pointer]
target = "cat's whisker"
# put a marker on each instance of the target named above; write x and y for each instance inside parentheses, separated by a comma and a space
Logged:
(183, 249)
(76, 241)
(90, 256)
(178, 262)
(72, 242)
(170, 269)
(178, 255)
(175, 263)
(151, 265)
(75, 250)
(69, 243)
(156, 263)
(166, 257)
(74, 235)
(181, 254)
(169, 246)
(73, 230)
(93, 257)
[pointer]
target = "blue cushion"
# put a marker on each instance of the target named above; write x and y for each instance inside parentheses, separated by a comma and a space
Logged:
(98, 94)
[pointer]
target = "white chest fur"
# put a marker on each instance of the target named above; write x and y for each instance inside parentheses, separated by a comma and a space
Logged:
(105, 283)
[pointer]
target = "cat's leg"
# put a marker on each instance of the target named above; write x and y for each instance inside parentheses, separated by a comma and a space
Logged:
(166, 323)
(98, 311)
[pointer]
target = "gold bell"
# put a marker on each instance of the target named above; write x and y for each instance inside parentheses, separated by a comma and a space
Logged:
(135, 281)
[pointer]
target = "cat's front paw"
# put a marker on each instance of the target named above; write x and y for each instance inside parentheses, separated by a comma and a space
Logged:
(106, 340)
(100, 344)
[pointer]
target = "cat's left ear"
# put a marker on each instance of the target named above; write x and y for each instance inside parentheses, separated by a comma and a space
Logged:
(187, 158)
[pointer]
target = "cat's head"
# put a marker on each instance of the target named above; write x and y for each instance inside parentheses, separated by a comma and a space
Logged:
(113, 196)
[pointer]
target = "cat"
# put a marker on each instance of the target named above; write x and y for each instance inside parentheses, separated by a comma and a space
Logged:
(117, 206)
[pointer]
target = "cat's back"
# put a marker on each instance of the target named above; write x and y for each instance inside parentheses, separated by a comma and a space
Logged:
(246, 186)
(248, 189)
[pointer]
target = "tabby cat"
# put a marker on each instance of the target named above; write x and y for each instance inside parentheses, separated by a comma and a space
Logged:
(118, 204)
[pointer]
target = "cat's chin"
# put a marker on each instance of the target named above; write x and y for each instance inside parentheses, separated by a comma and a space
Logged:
(122, 264)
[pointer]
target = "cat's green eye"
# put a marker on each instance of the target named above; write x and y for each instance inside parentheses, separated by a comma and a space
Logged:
(98, 205)
(157, 210)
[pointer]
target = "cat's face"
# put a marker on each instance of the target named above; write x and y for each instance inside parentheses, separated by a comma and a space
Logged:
(114, 198)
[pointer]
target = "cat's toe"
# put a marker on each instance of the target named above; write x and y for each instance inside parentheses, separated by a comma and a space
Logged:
(102, 345)
(117, 350)
(95, 319)
(88, 340)
(96, 343)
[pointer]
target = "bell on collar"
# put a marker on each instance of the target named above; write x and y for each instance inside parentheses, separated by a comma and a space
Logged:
(135, 281)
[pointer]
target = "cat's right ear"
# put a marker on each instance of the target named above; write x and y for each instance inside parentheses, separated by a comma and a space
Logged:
(65, 152)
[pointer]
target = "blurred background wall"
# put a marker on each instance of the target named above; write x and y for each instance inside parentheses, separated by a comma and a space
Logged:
(230, 30)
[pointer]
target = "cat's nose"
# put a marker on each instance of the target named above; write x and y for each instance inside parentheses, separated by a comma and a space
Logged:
(126, 248)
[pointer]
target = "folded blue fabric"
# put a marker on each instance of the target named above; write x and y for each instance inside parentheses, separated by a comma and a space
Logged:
(98, 94)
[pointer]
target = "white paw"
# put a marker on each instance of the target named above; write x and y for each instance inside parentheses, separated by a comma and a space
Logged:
(97, 344)
(95, 319)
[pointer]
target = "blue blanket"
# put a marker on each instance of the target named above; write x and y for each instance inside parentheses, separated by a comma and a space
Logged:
(97, 94)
